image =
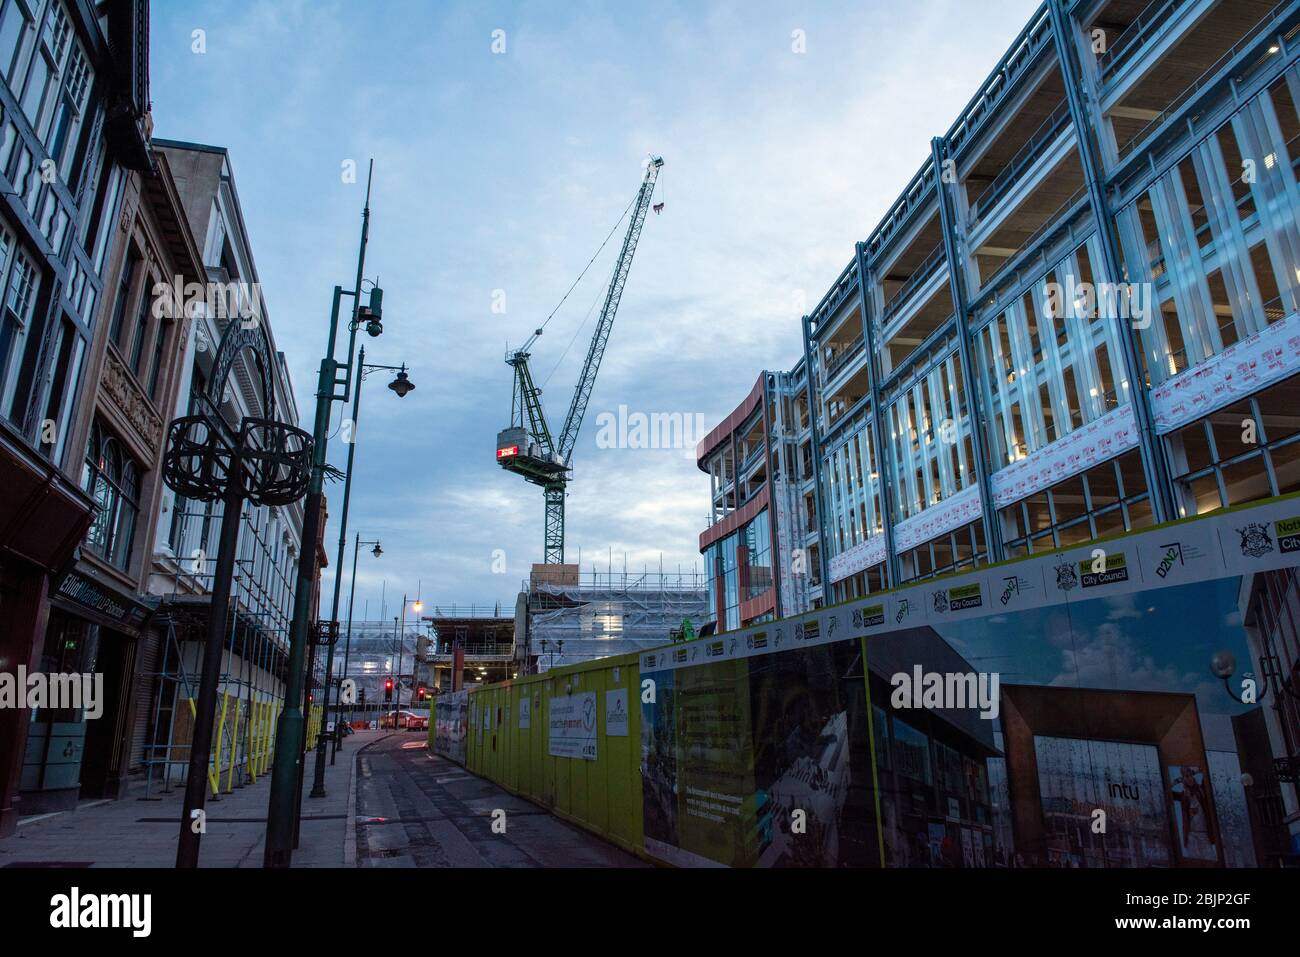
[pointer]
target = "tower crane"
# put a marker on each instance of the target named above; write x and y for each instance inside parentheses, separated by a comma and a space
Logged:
(528, 447)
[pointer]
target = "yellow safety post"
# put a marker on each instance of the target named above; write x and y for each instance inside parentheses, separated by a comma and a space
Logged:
(213, 782)
(268, 722)
(221, 727)
(234, 750)
(251, 745)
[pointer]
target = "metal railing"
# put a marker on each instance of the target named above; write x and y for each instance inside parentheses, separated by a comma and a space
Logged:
(918, 277)
(840, 359)
(1252, 37)
(499, 649)
(1043, 137)
(1155, 16)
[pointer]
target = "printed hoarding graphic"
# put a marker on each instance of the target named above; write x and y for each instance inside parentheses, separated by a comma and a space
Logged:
(616, 713)
(572, 726)
(1075, 709)
(451, 724)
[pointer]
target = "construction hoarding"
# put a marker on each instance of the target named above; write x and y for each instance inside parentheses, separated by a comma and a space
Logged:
(1119, 704)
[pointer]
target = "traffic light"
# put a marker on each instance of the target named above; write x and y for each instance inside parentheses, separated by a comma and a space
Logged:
(421, 692)
(388, 689)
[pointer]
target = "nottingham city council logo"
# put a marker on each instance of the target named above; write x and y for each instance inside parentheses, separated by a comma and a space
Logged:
(1067, 576)
(1255, 540)
(940, 599)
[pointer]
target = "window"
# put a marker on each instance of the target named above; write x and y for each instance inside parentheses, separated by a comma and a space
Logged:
(17, 24)
(138, 334)
(155, 364)
(69, 111)
(113, 481)
(952, 551)
(124, 283)
(1105, 500)
(22, 282)
(1242, 453)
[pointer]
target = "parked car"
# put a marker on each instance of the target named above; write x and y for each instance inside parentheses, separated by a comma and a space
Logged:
(410, 720)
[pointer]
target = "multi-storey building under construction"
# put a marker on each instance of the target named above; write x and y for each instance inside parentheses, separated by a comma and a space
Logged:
(568, 617)
(1080, 317)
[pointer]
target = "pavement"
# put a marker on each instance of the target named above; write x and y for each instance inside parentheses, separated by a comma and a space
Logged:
(389, 803)
(134, 832)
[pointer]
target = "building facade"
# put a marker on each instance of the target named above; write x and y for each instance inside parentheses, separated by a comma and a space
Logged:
(74, 121)
(1080, 318)
(184, 540)
(762, 547)
(1081, 315)
(98, 617)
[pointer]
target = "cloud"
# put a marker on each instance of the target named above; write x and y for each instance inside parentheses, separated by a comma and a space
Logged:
(505, 172)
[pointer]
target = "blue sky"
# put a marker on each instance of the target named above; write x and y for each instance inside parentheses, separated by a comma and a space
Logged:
(504, 172)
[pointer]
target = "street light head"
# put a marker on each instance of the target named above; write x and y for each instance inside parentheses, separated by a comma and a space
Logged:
(377, 550)
(417, 605)
(1223, 665)
(401, 385)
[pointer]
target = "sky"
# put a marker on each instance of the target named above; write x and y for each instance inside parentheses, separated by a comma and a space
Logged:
(502, 160)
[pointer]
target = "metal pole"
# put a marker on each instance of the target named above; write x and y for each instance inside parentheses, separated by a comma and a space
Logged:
(286, 773)
(318, 782)
(347, 647)
(397, 689)
(280, 816)
(196, 783)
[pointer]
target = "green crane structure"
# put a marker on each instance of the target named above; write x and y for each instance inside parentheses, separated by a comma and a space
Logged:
(528, 447)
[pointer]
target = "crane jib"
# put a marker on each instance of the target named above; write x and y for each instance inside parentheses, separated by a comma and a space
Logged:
(527, 447)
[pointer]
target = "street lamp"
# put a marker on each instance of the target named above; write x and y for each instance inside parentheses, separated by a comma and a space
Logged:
(286, 771)
(318, 777)
(347, 646)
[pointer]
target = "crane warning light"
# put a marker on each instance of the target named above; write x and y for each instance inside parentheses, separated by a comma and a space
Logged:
(507, 452)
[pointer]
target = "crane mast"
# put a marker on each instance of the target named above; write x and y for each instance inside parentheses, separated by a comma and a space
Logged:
(527, 447)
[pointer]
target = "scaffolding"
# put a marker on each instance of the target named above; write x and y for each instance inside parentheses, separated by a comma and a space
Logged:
(254, 660)
(372, 657)
(600, 614)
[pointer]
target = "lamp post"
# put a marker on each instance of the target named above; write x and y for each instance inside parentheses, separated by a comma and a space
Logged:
(402, 386)
(347, 645)
(417, 606)
(263, 461)
(286, 771)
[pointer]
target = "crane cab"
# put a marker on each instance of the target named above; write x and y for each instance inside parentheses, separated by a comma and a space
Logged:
(518, 451)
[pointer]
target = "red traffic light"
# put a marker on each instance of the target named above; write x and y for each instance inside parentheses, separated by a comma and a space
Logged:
(388, 684)
(422, 692)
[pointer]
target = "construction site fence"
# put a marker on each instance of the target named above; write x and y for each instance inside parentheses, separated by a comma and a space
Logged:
(984, 719)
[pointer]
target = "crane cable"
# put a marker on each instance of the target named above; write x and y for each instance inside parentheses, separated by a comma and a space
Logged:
(588, 266)
(576, 332)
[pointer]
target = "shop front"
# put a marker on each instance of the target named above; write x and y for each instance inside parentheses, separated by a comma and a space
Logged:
(81, 753)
